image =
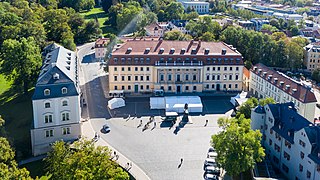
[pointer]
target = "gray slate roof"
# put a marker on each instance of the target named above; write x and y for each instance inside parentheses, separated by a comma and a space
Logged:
(61, 63)
(313, 133)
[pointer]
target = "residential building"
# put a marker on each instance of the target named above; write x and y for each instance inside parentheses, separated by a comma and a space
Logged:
(198, 6)
(246, 79)
(291, 142)
(157, 29)
(265, 82)
(178, 25)
(258, 23)
(248, 25)
(56, 101)
(101, 47)
(312, 57)
(142, 66)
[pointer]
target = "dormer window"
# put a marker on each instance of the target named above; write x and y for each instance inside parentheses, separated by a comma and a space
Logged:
(47, 105)
(46, 92)
(65, 103)
(64, 90)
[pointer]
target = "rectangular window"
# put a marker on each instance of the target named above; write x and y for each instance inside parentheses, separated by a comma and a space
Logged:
(230, 68)
(169, 77)
(129, 87)
(194, 88)
(136, 78)
(122, 78)
(148, 68)
(135, 68)
(237, 77)
(65, 131)
(301, 155)
(187, 88)
(187, 77)
(122, 87)
(237, 68)
(208, 68)
(129, 78)
(141, 78)
(161, 77)
(147, 87)
(115, 87)
(208, 77)
(285, 168)
(218, 68)
(236, 86)
(48, 118)
(169, 88)
(115, 78)
(65, 117)
(225, 68)
(129, 68)
(229, 86)
(308, 174)
(148, 78)
(300, 168)
(122, 69)
(218, 77)
(141, 87)
(230, 77)
(141, 68)
(115, 69)
(49, 133)
(212, 86)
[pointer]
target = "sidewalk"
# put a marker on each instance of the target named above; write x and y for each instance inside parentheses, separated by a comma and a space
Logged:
(134, 170)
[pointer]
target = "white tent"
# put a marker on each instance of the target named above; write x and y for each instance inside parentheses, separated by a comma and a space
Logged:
(116, 103)
(157, 103)
(176, 103)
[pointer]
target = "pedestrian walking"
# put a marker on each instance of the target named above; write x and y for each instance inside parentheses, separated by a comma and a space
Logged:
(206, 122)
(140, 121)
(181, 161)
(115, 153)
(155, 124)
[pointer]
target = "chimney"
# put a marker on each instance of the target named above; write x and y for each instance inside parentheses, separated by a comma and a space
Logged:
(56, 76)
(223, 51)
(129, 50)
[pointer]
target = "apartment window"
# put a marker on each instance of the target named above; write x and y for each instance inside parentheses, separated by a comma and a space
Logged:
(48, 118)
(218, 77)
(169, 77)
(303, 144)
(218, 68)
(287, 144)
(122, 69)
(122, 87)
(135, 68)
(46, 92)
(129, 87)
(141, 68)
(212, 86)
(208, 68)
(236, 86)
(285, 168)
(207, 86)
(136, 78)
(115, 78)
(47, 105)
(230, 68)
(122, 78)
(229, 86)
(270, 142)
(194, 77)
(161, 77)
(271, 131)
(237, 77)
(300, 168)
(237, 68)
(148, 78)
(301, 155)
(286, 155)
(276, 147)
(187, 88)
(225, 68)
(148, 68)
(230, 77)
(194, 88)
(225, 86)
(64, 90)
(141, 87)
(147, 87)
(49, 133)
(308, 174)
(270, 120)
(129, 78)
(65, 116)
(115, 69)
(275, 159)
(65, 130)
(115, 87)
(129, 68)
(64, 103)
(169, 88)
(187, 77)
(141, 78)
(208, 77)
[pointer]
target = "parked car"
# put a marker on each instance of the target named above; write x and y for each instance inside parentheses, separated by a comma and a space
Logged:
(209, 162)
(213, 170)
(106, 128)
(212, 154)
(208, 176)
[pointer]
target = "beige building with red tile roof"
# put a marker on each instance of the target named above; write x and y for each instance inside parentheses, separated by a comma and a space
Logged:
(142, 66)
(265, 82)
(101, 47)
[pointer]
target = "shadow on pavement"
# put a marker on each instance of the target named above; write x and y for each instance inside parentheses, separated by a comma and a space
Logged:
(88, 58)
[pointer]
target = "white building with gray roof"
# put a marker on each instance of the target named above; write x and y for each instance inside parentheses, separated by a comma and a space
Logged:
(56, 100)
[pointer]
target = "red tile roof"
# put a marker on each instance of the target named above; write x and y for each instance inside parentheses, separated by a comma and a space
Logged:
(101, 42)
(303, 93)
(246, 72)
(139, 46)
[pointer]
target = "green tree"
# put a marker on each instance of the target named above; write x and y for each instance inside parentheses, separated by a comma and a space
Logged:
(207, 36)
(270, 28)
(294, 30)
(176, 35)
(316, 75)
(245, 108)
(173, 11)
(8, 166)
(203, 25)
(82, 160)
(295, 55)
(267, 100)
(20, 61)
(238, 147)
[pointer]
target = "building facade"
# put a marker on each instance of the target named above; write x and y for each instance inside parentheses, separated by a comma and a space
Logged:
(312, 57)
(56, 101)
(101, 48)
(291, 142)
(142, 66)
(198, 6)
(265, 82)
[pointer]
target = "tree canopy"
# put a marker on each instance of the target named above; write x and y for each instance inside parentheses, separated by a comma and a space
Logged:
(245, 108)
(238, 147)
(82, 160)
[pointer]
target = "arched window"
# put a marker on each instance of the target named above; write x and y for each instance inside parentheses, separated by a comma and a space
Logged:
(47, 105)
(64, 103)
(47, 92)
(64, 90)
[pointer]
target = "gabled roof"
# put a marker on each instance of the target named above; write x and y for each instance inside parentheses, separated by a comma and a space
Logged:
(297, 90)
(59, 70)
(286, 120)
(313, 133)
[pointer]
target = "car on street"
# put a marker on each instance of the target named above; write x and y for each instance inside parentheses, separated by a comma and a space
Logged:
(208, 176)
(209, 162)
(106, 128)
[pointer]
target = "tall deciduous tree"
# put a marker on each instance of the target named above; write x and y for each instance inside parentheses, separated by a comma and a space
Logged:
(20, 61)
(238, 147)
(82, 160)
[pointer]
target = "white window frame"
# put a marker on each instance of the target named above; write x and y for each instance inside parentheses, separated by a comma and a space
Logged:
(64, 90)
(49, 133)
(48, 116)
(46, 92)
(45, 103)
(65, 116)
(62, 103)
(66, 130)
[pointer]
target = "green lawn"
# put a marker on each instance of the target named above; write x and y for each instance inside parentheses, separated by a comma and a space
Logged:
(102, 17)
(4, 85)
